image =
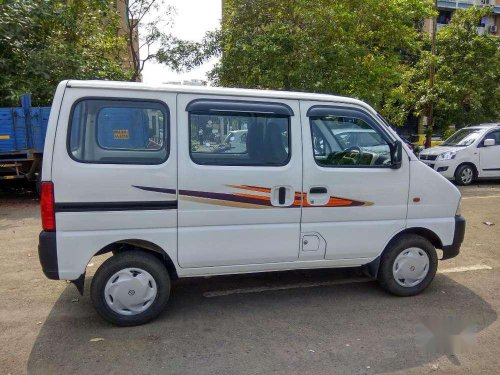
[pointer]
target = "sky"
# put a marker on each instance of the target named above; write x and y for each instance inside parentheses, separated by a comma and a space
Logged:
(192, 19)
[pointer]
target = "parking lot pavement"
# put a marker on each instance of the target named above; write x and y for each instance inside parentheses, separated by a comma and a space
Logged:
(302, 322)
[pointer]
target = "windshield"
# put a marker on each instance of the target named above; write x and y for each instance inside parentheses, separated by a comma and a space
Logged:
(463, 137)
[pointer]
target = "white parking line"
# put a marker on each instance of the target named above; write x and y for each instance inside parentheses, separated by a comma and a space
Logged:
(476, 267)
(222, 293)
(482, 197)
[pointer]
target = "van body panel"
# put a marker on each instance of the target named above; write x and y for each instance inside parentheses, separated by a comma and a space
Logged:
(443, 227)
(378, 196)
(271, 267)
(51, 131)
(431, 195)
(98, 203)
(75, 249)
(227, 215)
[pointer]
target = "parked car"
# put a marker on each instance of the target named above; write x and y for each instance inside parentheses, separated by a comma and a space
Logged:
(470, 153)
(407, 142)
(235, 142)
(292, 196)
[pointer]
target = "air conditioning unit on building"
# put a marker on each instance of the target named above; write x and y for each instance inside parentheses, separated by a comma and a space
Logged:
(493, 29)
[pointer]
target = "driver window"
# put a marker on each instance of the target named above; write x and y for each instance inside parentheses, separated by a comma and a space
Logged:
(347, 141)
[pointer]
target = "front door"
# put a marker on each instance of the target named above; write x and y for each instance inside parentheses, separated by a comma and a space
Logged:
(240, 166)
(353, 199)
(489, 157)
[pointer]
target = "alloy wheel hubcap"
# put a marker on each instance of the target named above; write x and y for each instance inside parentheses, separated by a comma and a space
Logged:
(467, 175)
(130, 291)
(410, 267)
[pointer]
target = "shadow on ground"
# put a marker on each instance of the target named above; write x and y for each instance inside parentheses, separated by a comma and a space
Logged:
(351, 328)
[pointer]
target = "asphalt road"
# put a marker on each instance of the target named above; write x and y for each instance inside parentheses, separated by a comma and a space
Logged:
(310, 322)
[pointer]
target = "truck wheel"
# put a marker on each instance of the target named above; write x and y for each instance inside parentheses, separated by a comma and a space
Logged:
(464, 175)
(408, 266)
(130, 288)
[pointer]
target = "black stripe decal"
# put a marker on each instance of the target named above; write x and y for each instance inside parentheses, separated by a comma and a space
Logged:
(115, 206)
(156, 189)
(492, 169)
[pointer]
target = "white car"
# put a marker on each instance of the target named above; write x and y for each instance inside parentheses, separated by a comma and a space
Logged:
(470, 153)
(366, 139)
(123, 174)
(235, 142)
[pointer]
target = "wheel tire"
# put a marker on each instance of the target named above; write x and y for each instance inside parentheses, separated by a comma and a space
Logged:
(465, 175)
(386, 276)
(122, 261)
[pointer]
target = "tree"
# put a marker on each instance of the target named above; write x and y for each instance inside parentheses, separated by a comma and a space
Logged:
(143, 45)
(467, 83)
(45, 41)
(360, 48)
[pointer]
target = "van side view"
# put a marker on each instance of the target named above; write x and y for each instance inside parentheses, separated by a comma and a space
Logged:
(197, 181)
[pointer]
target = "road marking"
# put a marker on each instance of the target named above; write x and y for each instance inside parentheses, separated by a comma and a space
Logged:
(260, 289)
(476, 267)
(482, 197)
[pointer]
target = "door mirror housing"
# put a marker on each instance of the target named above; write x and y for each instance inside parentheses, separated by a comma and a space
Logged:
(488, 142)
(396, 155)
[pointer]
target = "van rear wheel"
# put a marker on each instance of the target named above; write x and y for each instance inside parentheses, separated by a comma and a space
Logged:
(408, 266)
(130, 288)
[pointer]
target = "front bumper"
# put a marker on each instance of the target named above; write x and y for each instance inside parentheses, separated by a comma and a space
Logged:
(47, 253)
(444, 167)
(453, 250)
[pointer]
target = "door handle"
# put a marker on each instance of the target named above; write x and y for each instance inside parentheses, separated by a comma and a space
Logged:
(282, 195)
(318, 190)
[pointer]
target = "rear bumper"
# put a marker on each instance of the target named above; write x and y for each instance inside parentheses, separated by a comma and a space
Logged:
(47, 253)
(453, 250)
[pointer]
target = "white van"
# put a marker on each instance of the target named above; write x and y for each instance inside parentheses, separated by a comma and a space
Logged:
(149, 174)
(470, 153)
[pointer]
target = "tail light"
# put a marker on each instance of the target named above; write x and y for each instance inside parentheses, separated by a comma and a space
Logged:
(47, 206)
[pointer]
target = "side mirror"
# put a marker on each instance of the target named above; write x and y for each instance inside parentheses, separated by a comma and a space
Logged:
(489, 142)
(396, 155)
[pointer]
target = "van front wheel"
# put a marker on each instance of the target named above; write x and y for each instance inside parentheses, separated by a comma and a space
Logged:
(130, 288)
(408, 266)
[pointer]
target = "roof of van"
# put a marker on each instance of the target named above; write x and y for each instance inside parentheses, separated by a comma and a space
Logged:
(207, 90)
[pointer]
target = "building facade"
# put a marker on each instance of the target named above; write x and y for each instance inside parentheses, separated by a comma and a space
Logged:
(489, 24)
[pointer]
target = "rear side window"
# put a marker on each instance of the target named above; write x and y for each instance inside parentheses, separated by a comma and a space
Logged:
(249, 139)
(118, 131)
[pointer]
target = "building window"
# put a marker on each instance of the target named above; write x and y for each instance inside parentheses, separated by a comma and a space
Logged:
(444, 17)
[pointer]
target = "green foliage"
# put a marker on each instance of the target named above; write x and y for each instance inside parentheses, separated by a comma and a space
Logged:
(359, 48)
(45, 41)
(467, 87)
(468, 72)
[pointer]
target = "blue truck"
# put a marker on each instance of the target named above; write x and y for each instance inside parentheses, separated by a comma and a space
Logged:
(22, 136)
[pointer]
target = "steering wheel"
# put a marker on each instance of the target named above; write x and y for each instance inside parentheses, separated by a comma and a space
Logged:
(353, 153)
